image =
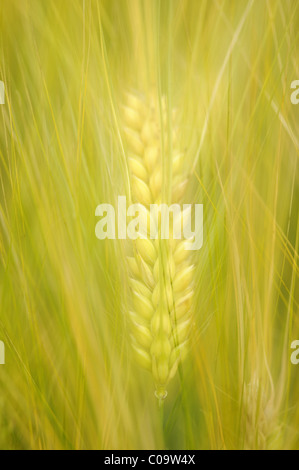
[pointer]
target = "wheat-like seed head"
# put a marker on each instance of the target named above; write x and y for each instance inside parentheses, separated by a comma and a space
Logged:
(160, 271)
(260, 416)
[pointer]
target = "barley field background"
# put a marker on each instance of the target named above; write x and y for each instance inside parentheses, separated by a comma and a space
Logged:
(224, 68)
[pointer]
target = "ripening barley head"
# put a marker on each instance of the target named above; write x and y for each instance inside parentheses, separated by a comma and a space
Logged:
(160, 270)
(261, 420)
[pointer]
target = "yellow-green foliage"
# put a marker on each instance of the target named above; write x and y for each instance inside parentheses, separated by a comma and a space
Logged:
(219, 74)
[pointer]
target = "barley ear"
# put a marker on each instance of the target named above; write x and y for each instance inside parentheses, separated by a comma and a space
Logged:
(160, 271)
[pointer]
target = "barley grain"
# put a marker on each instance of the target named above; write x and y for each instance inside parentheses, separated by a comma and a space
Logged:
(161, 273)
(260, 417)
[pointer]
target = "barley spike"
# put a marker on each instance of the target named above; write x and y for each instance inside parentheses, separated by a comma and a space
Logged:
(160, 271)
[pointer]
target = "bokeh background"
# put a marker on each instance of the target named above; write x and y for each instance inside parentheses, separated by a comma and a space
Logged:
(70, 381)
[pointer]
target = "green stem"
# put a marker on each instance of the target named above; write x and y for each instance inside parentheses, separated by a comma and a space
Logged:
(161, 411)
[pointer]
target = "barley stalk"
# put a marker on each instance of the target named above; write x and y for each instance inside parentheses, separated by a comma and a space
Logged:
(160, 271)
